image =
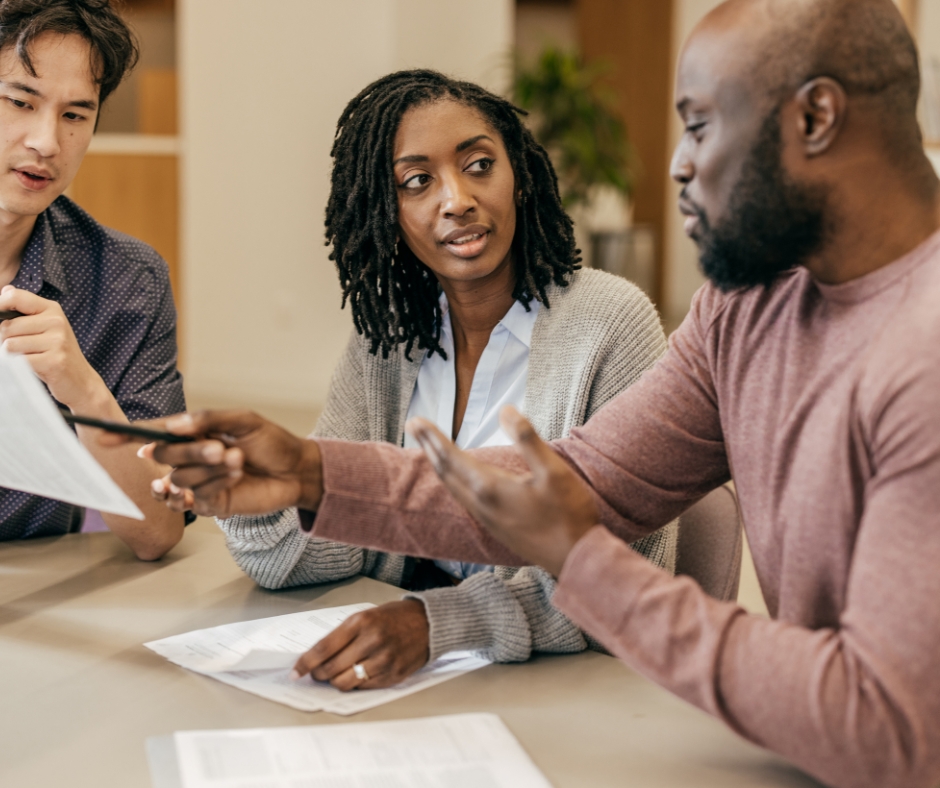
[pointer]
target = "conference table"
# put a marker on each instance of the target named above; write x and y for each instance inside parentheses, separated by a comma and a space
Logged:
(81, 694)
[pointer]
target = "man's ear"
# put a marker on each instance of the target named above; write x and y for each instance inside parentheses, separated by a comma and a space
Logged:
(821, 106)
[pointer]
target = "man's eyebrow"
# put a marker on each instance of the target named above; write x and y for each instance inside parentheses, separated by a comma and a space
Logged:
(683, 104)
(21, 87)
(467, 143)
(84, 104)
(88, 104)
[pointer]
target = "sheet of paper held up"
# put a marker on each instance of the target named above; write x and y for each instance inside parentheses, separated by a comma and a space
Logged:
(39, 454)
(434, 752)
(257, 656)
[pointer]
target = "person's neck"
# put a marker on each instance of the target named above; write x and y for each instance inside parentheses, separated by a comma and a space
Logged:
(477, 307)
(878, 221)
(14, 235)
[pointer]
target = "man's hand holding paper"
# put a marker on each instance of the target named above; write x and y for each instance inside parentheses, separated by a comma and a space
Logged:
(45, 337)
(38, 452)
(244, 464)
(239, 464)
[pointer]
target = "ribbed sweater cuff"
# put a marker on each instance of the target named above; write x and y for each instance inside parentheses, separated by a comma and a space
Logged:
(258, 532)
(475, 616)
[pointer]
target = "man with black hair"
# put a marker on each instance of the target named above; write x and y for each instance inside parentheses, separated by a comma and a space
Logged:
(808, 368)
(98, 322)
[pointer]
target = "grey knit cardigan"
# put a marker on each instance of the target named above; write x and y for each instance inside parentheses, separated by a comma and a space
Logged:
(596, 339)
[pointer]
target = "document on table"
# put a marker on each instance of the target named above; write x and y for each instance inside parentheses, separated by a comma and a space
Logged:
(39, 454)
(434, 752)
(257, 656)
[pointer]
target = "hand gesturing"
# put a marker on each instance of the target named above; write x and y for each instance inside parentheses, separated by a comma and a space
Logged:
(538, 516)
(239, 463)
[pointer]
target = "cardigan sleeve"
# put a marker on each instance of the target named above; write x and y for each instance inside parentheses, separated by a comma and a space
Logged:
(272, 550)
(508, 614)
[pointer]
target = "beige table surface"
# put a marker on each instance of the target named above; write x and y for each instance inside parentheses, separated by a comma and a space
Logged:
(80, 694)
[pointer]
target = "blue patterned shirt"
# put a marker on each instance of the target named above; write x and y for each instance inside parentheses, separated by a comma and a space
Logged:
(115, 292)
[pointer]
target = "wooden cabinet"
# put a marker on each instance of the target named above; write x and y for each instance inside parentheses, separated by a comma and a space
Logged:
(130, 183)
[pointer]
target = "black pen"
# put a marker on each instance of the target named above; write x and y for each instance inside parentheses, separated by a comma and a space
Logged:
(10, 315)
(126, 429)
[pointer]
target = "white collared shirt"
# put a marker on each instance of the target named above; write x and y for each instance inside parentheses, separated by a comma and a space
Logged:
(499, 380)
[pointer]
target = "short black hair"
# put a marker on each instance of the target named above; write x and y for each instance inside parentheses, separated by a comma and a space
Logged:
(114, 47)
(864, 45)
(394, 297)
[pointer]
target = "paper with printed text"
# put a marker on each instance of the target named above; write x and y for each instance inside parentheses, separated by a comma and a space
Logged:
(257, 656)
(455, 751)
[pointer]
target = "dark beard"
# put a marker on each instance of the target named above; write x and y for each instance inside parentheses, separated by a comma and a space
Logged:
(773, 225)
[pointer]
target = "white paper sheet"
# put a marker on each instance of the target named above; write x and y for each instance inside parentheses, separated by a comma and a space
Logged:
(257, 656)
(457, 751)
(39, 454)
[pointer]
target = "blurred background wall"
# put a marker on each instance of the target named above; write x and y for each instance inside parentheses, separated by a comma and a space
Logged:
(216, 151)
(262, 85)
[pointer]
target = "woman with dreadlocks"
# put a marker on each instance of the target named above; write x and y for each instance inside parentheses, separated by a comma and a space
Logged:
(460, 268)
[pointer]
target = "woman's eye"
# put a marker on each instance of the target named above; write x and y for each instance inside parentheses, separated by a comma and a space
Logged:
(695, 129)
(17, 103)
(480, 165)
(416, 181)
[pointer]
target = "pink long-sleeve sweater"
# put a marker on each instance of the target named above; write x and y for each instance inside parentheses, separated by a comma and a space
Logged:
(823, 403)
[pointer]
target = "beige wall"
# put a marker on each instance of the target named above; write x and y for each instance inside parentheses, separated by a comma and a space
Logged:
(928, 40)
(928, 29)
(261, 87)
(682, 277)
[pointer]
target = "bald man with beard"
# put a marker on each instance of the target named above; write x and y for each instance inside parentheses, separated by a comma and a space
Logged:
(808, 370)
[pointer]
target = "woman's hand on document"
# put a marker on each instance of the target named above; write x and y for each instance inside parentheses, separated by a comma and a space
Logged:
(539, 516)
(239, 463)
(389, 642)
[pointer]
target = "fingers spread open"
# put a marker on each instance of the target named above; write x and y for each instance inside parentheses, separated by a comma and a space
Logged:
(536, 452)
(471, 482)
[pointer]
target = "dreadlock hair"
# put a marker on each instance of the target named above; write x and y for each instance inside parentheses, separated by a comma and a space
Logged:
(394, 297)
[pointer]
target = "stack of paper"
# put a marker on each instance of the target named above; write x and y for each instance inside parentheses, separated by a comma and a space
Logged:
(257, 656)
(459, 751)
(39, 454)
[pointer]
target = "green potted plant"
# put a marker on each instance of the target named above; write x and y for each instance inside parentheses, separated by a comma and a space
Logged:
(572, 114)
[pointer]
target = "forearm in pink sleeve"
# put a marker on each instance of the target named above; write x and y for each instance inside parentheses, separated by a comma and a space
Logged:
(649, 454)
(854, 705)
(656, 449)
(380, 496)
